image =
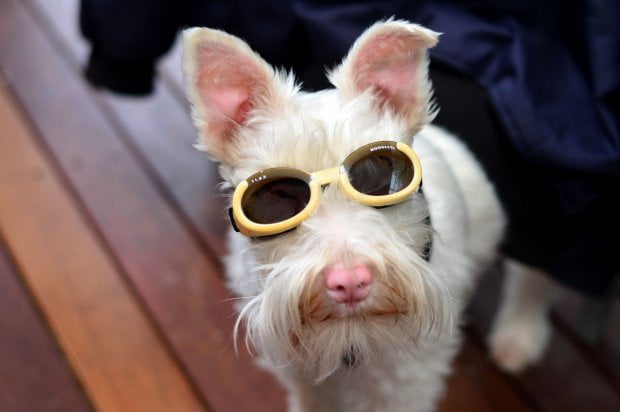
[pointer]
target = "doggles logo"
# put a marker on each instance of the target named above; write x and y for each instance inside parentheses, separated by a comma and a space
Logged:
(383, 147)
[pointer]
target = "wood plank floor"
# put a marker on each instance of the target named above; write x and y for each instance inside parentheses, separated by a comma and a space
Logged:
(111, 233)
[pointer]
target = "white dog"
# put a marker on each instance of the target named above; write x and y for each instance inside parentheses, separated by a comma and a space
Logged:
(352, 307)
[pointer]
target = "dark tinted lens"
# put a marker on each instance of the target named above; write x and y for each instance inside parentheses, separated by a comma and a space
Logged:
(381, 173)
(275, 200)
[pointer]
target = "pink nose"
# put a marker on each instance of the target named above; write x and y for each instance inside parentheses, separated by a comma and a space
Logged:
(346, 285)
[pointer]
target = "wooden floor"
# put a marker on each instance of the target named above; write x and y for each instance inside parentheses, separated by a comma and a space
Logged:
(111, 232)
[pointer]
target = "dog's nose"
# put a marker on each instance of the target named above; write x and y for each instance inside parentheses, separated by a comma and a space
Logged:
(348, 285)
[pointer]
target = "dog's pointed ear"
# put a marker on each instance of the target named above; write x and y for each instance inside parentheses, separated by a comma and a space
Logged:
(226, 83)
(390, 60)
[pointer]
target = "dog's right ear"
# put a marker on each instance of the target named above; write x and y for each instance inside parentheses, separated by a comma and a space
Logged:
(227, 84)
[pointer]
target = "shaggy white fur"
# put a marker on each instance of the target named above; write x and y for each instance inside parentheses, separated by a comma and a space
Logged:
(392, 352)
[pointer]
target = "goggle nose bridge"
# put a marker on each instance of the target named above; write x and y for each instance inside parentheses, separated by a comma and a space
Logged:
(327, 176)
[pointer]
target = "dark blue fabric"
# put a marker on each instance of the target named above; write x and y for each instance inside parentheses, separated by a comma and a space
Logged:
(557, 92)
(551, 70)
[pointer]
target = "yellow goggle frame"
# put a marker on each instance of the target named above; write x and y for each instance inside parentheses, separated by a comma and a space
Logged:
(315, 181)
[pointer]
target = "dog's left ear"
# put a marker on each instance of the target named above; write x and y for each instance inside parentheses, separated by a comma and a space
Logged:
(390, 60)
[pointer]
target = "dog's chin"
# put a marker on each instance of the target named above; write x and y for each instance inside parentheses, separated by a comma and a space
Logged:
(353, 312)
(351, 338)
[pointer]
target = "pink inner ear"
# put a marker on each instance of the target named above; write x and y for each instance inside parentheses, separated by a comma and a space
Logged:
(228, 83)
(232, 103)
(394, 86)
(389, 64)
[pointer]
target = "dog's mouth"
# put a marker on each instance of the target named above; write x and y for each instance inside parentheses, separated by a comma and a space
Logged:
(358, 316)
(320, 309)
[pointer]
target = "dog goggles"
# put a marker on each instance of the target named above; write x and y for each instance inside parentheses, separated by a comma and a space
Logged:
(275, 200)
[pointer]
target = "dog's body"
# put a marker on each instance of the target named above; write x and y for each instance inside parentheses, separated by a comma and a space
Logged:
(467, 224)
(391, 351)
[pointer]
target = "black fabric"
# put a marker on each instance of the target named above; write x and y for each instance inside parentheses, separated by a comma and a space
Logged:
(578, 250)
(127, 37)
(121, 77)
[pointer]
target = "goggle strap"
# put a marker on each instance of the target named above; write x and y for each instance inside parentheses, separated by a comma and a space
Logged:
(428, 247)
(427, 250)
(232, 219)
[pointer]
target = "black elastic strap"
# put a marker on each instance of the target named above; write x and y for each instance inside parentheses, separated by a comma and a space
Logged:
(232, 219)
(428, 247)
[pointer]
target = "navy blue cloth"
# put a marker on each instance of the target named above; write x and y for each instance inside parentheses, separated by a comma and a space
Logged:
(554, 76)
(551, 70)
(550, 76)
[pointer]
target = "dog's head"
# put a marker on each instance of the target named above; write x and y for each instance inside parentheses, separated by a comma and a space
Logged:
(350, 276)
